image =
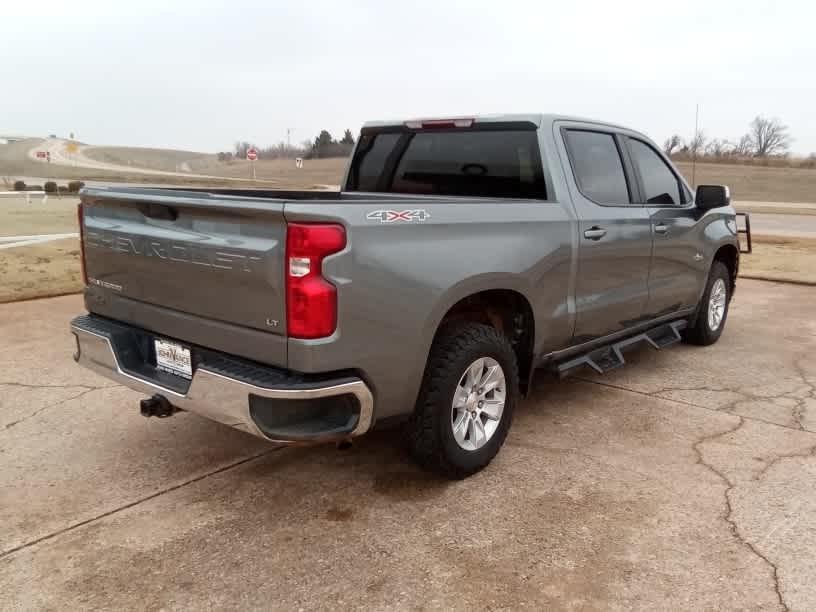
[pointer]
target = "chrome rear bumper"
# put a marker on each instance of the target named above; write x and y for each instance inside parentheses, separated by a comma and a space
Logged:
(216, 396)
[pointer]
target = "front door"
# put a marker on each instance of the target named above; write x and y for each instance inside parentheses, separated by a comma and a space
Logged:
(615, 236)
(678, 269)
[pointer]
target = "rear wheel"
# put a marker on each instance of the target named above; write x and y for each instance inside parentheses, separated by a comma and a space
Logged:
(713, 309)
(466, 403)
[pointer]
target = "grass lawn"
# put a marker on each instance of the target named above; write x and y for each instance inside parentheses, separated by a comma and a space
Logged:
(56, 216)
(40, 270)
(778, 258)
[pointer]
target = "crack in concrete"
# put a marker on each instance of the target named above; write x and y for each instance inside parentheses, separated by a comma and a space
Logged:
(86, 389)
(27, 386)
(728, 514)
(798, 412)
(46, 407)
(189, 481)
(811, 452)
(724, 410)
(800, 409)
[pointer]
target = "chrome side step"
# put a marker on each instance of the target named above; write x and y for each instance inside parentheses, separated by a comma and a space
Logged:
(609, 357)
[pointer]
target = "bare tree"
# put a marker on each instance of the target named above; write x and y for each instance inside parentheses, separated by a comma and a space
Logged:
(719, 147)
(744, 146)
(697, 144)
(672, 144)
(241, 148)
(769, 136)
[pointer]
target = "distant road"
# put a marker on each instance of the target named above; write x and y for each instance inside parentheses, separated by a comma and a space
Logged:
(61, 157)
(794, 226)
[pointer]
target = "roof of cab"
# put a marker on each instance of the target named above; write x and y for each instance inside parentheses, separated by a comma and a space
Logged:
(538, 119)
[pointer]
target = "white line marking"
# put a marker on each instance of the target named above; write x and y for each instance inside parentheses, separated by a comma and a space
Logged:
(10, 242)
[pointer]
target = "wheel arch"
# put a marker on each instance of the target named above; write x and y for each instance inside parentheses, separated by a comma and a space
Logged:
(504, 305)
(728, 255)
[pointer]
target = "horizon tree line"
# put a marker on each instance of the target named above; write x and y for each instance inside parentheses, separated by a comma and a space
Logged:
(764, 138)
(324, 145)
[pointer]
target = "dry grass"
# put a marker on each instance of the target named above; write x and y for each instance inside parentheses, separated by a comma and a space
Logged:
(757, 182)
(56, 216)
(40, 270)
(283, 171)
(156, 159)
(784, 259)
(775, 162)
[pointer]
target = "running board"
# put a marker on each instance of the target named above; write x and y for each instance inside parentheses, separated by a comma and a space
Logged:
(610, 357)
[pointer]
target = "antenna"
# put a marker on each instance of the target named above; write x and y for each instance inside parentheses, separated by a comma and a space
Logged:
(696, 144)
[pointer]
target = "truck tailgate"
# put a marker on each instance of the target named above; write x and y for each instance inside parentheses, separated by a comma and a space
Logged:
(215, 258)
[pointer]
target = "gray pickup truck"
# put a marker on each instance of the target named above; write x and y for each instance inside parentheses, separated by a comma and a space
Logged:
(460, 256)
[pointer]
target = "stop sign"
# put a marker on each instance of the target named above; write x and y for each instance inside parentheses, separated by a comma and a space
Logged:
(252, 155)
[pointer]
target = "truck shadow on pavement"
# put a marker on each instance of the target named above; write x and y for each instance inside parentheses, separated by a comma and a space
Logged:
(381, 457)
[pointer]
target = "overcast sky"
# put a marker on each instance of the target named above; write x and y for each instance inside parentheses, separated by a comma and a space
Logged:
(200, 75)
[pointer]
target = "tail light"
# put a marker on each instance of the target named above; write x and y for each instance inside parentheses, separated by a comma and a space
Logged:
(311, 300)
(81, 222)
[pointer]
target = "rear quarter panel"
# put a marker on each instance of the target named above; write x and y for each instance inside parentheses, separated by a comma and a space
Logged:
(397, 280)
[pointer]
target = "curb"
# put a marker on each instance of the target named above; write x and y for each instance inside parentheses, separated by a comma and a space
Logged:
(769, 279)
(44, 297)
(765, 210)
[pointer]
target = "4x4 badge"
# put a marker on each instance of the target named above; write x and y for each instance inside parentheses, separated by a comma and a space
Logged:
(394, 216)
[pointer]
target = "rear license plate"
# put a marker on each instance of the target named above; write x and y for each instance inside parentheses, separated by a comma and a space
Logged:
(173, 358)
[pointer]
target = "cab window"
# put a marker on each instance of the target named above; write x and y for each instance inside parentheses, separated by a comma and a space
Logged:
(660, 184)
(597, 166)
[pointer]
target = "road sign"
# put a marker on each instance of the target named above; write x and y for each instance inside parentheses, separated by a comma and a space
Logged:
(252, 155)
(72, 147)
(40, 154)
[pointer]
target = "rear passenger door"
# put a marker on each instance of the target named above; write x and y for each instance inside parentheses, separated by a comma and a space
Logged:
(615, 236)
(678, 269)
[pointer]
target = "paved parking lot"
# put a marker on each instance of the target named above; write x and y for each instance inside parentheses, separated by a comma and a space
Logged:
(683, 481)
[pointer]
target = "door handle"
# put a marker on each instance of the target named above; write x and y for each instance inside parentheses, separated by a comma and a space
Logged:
(595, 233)
(661, 229)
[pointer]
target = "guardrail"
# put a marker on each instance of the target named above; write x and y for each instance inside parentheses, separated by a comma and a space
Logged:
(26, 194)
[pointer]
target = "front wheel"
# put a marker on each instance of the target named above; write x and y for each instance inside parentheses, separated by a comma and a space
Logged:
(713, 309)
(466, 403)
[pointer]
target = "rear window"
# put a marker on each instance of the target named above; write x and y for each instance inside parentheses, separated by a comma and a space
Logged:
(473, 162)
(372, 163)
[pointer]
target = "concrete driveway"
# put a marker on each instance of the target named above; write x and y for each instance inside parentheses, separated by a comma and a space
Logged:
(683, 481)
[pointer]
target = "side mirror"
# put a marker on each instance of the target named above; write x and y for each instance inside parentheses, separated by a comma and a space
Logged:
(712, 196)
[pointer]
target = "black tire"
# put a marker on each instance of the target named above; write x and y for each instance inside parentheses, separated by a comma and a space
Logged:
(700, 331)
(430, 434)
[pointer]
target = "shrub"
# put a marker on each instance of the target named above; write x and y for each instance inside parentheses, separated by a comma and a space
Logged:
(62, 189)
(75, 186)
(19, 186)
(34, 188)
(50, 187)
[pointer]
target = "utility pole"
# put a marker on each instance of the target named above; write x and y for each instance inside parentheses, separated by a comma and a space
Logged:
(694, 140)
(288, 141)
